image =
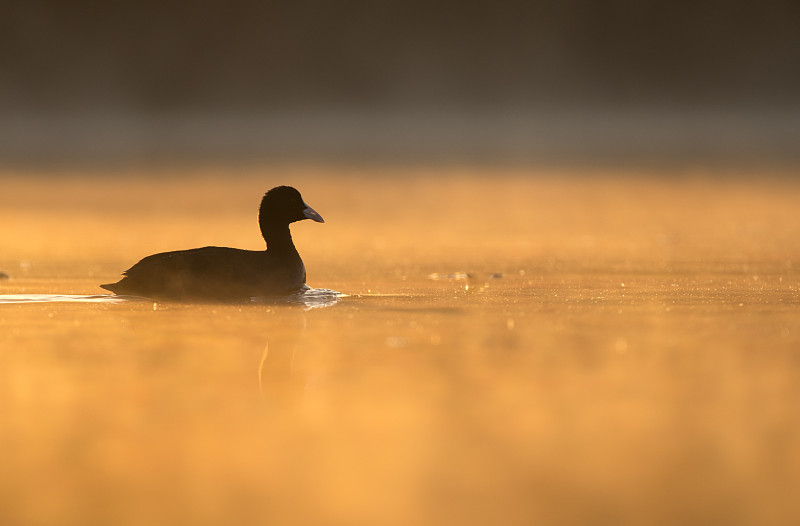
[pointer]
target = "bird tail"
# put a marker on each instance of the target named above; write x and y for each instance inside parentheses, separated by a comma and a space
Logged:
(110, 286)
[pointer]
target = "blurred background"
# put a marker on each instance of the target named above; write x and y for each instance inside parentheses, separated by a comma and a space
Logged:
(522, 344)
(508, 81)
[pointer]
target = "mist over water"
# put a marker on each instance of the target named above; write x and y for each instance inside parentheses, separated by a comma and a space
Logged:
(622, 136)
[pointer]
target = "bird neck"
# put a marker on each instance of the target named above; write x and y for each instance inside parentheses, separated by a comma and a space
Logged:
(279, 239)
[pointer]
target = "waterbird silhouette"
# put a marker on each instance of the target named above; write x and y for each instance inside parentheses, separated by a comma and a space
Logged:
(221, 273)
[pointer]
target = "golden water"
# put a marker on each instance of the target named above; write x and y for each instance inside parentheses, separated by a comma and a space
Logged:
(514, 348)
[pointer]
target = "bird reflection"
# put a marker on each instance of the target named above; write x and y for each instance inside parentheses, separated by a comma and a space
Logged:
(165, 337)
(279, 383)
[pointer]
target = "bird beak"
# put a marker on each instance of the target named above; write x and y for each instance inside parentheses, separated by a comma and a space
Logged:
(310, 213)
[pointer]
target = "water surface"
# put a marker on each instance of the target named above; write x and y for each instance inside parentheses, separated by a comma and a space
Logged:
(513, 349)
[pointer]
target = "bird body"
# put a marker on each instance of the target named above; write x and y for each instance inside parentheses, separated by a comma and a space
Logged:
(221, 273)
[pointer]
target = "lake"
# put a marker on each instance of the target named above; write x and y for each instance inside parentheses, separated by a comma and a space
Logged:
(483, 346)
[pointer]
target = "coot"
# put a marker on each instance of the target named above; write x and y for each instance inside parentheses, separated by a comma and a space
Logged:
(219, 273)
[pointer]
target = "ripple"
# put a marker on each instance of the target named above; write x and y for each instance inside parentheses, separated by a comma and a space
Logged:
(308, 298)
(62, 298)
